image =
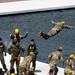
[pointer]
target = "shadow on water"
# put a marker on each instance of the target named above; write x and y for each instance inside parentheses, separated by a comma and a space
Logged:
(33, 23)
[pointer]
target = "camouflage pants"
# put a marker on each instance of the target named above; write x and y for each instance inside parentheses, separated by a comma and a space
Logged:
(66, 71)
(49, 34)
(2, 61)
(55, 69)
(24, 69)
(45, 35)
(12, 61)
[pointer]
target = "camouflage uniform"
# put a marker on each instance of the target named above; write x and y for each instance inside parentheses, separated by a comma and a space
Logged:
(14, 51)
(73, 72)
(57, 28)
(25, 65)
(17, 37)
(69, 65)
(2, 50)
(55, 57)
(35, 50)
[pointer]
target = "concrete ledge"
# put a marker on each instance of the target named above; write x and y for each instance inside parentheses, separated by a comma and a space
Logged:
(34, 5)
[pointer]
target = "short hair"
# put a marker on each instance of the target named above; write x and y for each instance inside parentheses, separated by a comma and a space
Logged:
(32, 40)
(51, 71)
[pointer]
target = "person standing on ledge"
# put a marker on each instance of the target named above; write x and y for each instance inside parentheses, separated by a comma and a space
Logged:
(33, 48)
(2, 50)
(15, 51)
(54, 58)
(58, 26)
(16, 36)
(25, 64)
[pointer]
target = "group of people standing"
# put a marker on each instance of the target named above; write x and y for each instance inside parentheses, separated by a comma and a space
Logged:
(16, 51)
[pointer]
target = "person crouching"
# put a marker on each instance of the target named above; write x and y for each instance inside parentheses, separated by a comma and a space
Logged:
(25, 65)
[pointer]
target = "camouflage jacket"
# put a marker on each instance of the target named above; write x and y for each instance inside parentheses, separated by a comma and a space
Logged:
(14, 38)
(26, 60)
(32, 49)
(54, 57)
(58, 26)
(15, 50)
(69, 64)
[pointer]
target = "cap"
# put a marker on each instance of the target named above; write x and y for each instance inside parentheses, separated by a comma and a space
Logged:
(63, 22)
(17, 31)
(32, 40)
(0, 70)
(51, 71)
(60, 48)
(12, 74)
(71, 56)
(32, 53)
(70, 71)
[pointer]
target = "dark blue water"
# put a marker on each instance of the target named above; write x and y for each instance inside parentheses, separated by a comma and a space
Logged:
(33, 23)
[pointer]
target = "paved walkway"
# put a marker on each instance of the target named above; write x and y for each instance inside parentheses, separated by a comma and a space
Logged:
(3, 1)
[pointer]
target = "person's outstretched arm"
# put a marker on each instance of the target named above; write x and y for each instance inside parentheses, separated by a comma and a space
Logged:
(54, 23)
(49, 57)
(11, 36)
(69, 27)
(22, 37)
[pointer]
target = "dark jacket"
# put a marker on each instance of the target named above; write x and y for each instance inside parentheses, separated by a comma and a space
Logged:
(32, 49)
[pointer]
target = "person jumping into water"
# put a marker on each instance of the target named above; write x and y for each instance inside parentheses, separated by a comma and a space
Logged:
(58, 26)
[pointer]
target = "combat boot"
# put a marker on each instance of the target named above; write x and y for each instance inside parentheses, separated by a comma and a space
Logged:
(40, 33)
